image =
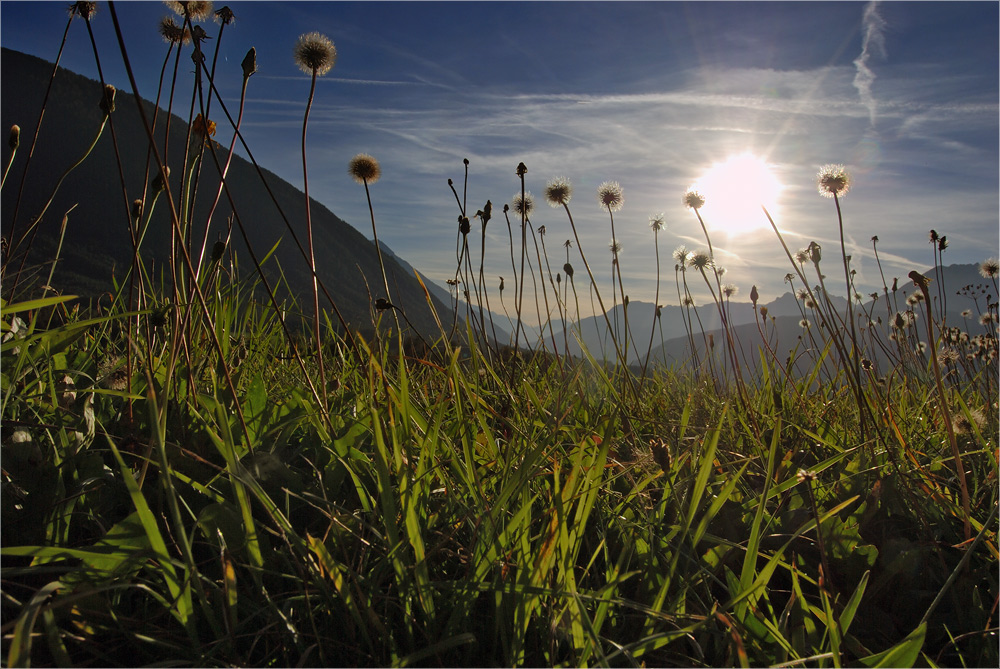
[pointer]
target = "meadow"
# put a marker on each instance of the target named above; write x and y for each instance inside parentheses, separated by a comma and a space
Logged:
(199, 470)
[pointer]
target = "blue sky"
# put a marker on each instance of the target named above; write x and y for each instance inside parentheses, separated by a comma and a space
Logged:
(649, 94)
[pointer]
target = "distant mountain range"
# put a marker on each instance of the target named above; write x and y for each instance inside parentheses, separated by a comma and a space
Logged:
(97, 243)
(672, 345)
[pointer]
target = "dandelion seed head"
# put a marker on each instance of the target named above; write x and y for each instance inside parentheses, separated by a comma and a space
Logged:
(611, 196)
(173, 33)
(657, 221)
(558, 192)
(315, 53)
(802, 294)
(680, 254)
(804, 324)
(84, 10)
(523, 205)
(833, 180)
(699, 259)
(989, 269)
(364, 169)
(730, 290)
(615, 247)
(197, 10)
(693, 199)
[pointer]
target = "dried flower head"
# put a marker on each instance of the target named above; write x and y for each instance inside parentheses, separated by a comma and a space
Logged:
(158, 181)
(657, 221)
(203, 128)
(225, 16)
(989, 269)
(14, 139)
(987, 318)
(173, 33)
(693, 199)
(558, 192)
(218, 250)
(804, 324)
(315, 53)
(611, 196)
(364, 169)
(568, 269)
(523, 205)
(801, 256)
(521, 170)
(107, 103)
(833, 180)
(196, 10)
(964, 423)
(681, 254)
(615, 247)
(730, 290)
(688, 301)
(802, 294)
(806, 475)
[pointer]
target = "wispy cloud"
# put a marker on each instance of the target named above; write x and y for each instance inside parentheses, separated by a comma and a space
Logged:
(344, 80)
(872, 24)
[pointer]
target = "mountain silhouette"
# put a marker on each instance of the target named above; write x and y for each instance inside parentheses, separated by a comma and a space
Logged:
(97, 247)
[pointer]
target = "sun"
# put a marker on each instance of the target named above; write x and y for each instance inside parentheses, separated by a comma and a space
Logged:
(734, 191)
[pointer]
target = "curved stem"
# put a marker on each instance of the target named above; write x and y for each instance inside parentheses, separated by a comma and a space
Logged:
(312, 251)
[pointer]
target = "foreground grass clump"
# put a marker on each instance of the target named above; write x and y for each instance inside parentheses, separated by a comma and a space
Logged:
(197, 472)
(439, 514)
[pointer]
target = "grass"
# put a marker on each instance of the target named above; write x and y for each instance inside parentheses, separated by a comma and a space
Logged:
(184, 482)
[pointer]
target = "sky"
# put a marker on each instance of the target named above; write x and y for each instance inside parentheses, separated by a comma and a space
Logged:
(649, 94)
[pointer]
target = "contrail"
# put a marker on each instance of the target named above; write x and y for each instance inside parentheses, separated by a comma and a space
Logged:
(872, 24)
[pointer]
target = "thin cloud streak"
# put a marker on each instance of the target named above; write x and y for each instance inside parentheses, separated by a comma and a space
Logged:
(873, 26)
